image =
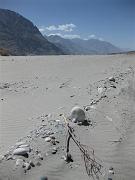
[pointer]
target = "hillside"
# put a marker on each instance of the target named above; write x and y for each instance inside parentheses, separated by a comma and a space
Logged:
(21, 37)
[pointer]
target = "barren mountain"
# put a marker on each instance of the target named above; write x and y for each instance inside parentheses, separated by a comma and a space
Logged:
(21, 37)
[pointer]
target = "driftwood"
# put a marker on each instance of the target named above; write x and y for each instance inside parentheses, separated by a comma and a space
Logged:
(92, 166)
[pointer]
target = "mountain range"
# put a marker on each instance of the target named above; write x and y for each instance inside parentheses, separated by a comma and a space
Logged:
(19, 36)
(81, 46)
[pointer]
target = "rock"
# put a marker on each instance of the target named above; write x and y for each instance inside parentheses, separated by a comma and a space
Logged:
(100, 90)
(19, 162)
(54, 150)
(24, 146)
(27, 166)
(113, 86)
(44, 178)
(77, 114)
(52, 137)
(47, 139)
(40, 156)
(32, 164)
(21, 151)
(111, 79)
(10, 157)
(1, 158)
(20, 143)
(87, 108)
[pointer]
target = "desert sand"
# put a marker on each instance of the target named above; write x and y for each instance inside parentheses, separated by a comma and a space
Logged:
(35, 91)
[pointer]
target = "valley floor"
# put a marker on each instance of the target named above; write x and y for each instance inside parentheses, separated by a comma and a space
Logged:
(35, 91)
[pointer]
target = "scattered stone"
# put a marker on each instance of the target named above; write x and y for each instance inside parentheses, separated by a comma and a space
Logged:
(111, 79)
(19, 162)
(87, 108)
(20, 143)
(54, 150)
(47, 139)
(27, 166)
(53, 141)
(32, 164)
(113, 86)
(10, 157)
(77, 114)
(44, 178)
(1, 158)
(100, 90)
(21, 152)
(52, 137)
(40, 156)
(110, 173)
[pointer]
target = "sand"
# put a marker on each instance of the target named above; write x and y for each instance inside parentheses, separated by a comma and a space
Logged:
(33, 87)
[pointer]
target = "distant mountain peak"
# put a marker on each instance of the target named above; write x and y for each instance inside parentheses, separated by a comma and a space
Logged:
(81, 46)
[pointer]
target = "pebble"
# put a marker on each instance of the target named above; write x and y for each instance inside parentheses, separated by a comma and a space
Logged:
(20, 143)
(87, 108)
(47, 139)
(100, 90)
(113, 86)
(19, 162)
(54, 150)
(21, 151)
(111, 79)
(27, 166)
(32, 164)
(40, 156)
(10, 157)
(1, 158)
(44, 178)
(24, 145)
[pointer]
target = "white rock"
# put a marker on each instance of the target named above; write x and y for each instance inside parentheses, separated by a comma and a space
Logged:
(100, 90)
(47, 139)
(19, 162)
(111, 79)
(20, 151)
(20, 143)
(24, 145)
(77, 114)
(27, 166)
(1, 157)
(40, 156)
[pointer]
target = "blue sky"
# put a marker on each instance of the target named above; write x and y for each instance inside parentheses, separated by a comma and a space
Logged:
(109, 20)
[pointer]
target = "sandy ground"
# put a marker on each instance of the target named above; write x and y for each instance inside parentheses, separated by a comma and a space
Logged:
(34, 91)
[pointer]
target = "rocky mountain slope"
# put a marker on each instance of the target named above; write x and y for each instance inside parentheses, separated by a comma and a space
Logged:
(21, 37)
(80, 46)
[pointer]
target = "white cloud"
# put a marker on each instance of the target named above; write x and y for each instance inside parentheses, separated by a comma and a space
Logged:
(101, 39)
(62, 27)
(41, 30)
(92, 36)
(66, 36)
(71, 36)
(51, 28)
